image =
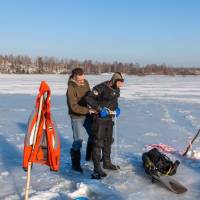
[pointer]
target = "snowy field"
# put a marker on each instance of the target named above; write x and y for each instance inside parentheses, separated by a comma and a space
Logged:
(155, 109)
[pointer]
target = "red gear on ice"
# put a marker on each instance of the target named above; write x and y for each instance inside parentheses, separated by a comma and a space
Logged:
(162, 147)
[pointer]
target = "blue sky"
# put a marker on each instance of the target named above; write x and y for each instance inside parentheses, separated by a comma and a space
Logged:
(143, 31)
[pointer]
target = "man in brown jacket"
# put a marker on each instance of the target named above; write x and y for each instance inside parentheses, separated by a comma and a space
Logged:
(78, 87)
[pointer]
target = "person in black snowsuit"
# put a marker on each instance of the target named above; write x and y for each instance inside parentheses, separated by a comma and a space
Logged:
(104, 99)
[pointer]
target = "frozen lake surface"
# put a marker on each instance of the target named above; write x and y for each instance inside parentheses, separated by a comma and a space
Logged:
(154, 109)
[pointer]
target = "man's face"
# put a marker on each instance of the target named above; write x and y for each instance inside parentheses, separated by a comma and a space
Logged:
(119, 84)
(80, 79)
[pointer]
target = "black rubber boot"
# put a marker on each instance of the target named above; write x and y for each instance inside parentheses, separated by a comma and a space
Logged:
(89, 148)
(96, 156)
(111, 166)
(98, 174)
(107, 164)
(76, 158)
(95, 176)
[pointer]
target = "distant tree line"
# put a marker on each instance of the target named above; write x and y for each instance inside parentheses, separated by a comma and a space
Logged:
(51, 65)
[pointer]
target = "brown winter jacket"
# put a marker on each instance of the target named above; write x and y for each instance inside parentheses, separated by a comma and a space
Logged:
(75, 98)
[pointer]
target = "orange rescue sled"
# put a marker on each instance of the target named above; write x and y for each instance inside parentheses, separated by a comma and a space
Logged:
(42, 142)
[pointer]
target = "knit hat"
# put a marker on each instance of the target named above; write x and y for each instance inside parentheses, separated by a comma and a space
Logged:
(117, 76)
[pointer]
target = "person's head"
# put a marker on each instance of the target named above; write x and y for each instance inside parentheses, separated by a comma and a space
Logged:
(78, 75)
(117, 80)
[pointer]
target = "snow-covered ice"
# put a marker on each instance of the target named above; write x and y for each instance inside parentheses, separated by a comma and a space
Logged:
(155, 109)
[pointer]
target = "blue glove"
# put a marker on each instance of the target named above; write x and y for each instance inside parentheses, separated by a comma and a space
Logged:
(104, 112)
(117, 111)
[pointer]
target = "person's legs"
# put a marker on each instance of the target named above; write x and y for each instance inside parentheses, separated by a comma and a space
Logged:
(88, 127)
(98, 129)
(88, 124)
(96, 156)
(89, 149)
(107, 164)
(78, 131)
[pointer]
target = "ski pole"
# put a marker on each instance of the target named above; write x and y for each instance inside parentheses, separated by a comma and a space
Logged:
(34, 141)
(190, 144)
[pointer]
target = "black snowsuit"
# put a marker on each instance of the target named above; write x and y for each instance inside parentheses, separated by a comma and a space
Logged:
(102, 95)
